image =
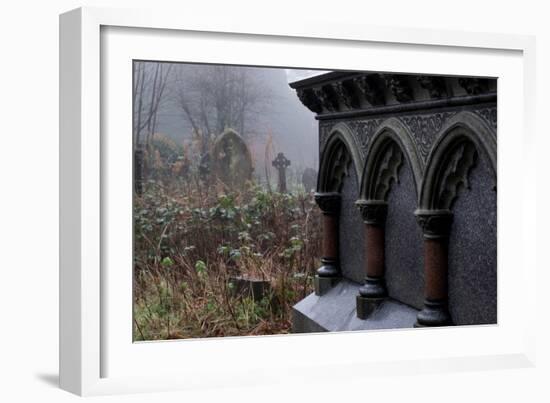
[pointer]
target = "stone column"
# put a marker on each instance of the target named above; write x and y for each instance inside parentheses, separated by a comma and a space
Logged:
(373, 292)
(436, 226)
(329, 273)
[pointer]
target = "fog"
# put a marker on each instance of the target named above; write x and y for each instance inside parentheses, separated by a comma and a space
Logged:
(257, 102)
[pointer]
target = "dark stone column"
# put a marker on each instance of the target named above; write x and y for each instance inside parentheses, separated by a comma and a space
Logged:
(329, 273)
(436, 226)
(373, 292)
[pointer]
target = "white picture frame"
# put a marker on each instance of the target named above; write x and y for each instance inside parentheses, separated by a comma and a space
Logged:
(93, 340)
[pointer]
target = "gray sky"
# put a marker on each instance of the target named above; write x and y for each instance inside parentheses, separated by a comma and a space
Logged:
(296, 74)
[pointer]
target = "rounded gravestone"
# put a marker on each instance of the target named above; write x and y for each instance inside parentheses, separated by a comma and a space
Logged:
(231, 159)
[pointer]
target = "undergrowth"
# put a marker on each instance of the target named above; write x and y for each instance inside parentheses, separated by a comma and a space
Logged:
(191, 240)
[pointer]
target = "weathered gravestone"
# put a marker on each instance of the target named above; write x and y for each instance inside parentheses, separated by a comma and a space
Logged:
(231, 161)
(281, 163)
(309, 179)
(407, 187)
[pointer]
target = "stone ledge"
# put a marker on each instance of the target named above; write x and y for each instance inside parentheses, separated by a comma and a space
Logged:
(336, 311)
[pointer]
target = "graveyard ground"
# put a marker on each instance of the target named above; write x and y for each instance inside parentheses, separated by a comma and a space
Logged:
(197, 246)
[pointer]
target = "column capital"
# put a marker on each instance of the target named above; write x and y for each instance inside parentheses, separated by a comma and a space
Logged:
(435, 224)
(374, 212)
(329, 203)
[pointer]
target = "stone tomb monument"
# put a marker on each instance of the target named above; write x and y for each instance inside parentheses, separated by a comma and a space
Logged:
(407, 187)
(231, 160)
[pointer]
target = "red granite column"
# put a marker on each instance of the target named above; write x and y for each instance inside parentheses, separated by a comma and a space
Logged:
(436, 226)
(329, 273)
(374, 290)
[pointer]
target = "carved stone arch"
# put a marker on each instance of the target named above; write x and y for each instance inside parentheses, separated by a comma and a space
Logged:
(391, 145)
(340, 150)
(464, 137)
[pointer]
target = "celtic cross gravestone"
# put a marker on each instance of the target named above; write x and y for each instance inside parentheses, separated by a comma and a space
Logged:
(281, 163)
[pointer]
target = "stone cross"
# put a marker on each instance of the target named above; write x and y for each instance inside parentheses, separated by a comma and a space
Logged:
(281, 163)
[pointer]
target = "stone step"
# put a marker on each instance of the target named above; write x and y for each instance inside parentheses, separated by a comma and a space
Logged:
(336, 311)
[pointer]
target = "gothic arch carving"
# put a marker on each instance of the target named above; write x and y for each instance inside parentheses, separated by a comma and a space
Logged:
(392, 146)
(465, 137)
(339, 152)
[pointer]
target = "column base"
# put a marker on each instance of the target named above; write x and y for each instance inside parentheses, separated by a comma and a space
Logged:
(324, 284)
(366, 306)
(374, 288)
(329, 268)
(434, 313)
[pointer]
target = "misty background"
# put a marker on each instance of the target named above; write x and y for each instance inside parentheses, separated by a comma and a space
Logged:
(191, 104)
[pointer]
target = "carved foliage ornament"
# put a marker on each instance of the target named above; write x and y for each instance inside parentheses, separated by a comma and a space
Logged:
(373, 212)
(363, 130)
(489, 115)
(474, 86)
(340, 163)
(434, 85)
(425, 128)
(309, 99)
(371, 88)
(454, 175)
(347, 94)
(368, 90)
(399, 87)
(386, 171)
(435, 223)
(327, 97)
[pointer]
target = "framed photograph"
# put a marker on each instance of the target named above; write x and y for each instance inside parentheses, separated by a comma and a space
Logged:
(258, 204)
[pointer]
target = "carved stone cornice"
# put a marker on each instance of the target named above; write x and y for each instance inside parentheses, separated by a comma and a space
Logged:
(372, 89)
(351, 93)
(434, 85)
(374, 212)
(435, 224)
(399, 87)
(329, 203)
(347, 94)
(327, 97)
(309, 99)
(474, 86)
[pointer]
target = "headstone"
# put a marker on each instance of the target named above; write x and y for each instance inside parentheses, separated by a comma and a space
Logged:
(309, 179)
(281, 163)
(231, 160)
(254, 288)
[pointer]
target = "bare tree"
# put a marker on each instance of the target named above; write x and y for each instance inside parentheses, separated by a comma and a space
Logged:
(150, 81)
(213, 98)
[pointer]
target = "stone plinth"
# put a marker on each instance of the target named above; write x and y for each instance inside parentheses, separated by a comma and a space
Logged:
(336, 311)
